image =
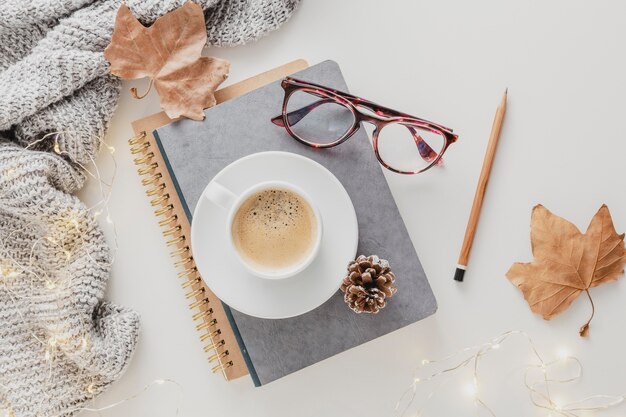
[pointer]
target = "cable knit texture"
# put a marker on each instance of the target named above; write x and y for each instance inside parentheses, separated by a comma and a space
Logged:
(60, 343)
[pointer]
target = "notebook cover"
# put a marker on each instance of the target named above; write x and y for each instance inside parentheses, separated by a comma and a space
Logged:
(196, 151)
(149, 160)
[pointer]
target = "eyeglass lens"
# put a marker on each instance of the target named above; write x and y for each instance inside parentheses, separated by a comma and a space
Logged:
(318, 119)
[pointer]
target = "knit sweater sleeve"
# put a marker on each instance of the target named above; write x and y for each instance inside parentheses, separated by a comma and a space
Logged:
(58, 335)
(61, 343)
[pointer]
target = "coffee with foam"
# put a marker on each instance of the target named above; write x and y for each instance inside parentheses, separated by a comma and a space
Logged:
(274, 229)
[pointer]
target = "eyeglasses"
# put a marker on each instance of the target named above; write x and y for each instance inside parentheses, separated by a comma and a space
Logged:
(322, 117)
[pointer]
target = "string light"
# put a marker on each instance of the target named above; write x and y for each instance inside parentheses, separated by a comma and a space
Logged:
(11, 268)
(84, 343)
(471, 389)
(563, 354)
(539, 385)
(157, 382)
(6, 410)
(8, 272)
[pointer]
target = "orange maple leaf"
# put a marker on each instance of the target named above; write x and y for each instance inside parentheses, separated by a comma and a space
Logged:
(568, 262)
(169, 52)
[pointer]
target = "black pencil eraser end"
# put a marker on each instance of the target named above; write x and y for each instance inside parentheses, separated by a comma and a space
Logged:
(458, 274)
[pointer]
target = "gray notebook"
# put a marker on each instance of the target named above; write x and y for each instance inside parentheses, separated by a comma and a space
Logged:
(196, 151)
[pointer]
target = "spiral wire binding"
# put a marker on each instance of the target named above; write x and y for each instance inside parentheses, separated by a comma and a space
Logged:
(188, 271)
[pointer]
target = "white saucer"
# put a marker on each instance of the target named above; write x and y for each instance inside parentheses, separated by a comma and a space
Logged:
(274, 299)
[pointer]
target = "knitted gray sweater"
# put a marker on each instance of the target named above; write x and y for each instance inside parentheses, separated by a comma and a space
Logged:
(60, 343)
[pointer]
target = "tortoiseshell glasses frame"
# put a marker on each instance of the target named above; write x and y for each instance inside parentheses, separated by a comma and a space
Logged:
(362, 110)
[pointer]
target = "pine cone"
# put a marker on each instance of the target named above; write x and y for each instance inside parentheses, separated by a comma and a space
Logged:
(368, 285)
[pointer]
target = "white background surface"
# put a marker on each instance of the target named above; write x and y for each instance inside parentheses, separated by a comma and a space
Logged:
(563, 145)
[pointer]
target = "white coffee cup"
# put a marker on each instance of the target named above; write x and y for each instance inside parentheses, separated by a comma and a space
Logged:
(231, 202)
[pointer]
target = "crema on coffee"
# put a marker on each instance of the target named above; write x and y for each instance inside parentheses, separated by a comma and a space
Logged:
(274, 229)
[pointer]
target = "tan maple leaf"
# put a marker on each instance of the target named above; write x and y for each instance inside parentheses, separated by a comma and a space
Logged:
(169, 52)
(567, 262)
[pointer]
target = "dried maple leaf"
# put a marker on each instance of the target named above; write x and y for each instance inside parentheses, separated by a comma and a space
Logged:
(169, 52)
(568, 262)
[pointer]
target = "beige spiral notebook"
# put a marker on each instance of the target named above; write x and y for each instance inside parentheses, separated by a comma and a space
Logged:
(207, 311)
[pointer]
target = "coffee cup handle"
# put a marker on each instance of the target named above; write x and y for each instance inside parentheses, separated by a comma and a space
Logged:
(220, 195)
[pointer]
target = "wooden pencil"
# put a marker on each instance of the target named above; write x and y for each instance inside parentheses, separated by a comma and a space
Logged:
(481, 188)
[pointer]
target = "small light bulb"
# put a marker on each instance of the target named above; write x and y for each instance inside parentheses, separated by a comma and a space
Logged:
(495, 346)
(12, 274)
(91, 389)
(159, 381)
(47, 355)
(563, 354)
(50, 285)
(109, 220)
(57, 148)
(52, 341)
(425, 362)
(416, 380)
(111, 148)
(97, 214)
(558, 405)
(471, 389)
(68, 254)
